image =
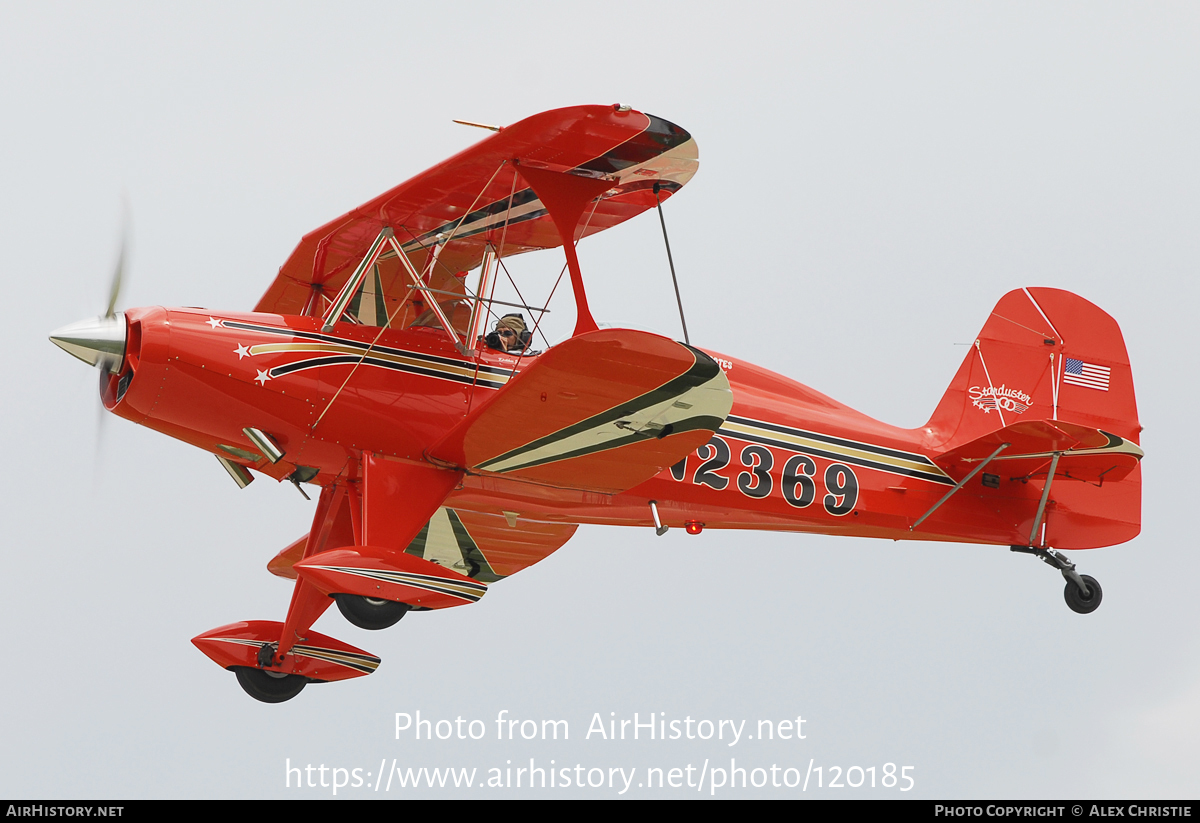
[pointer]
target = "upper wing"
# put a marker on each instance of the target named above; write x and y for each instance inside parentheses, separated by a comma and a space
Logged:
(479, 197)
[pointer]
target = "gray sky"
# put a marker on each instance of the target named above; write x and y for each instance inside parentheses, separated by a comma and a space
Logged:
(863, 166)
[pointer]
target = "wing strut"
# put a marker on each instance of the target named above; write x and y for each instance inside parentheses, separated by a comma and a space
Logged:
(1037, 520)
(565, 197)
(352, 285)
(386, 235)
(487, 271)
(671, 262)
(962, 483)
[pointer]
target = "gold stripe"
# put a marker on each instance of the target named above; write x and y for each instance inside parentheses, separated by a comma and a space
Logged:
(808, 443)
(440, 584)
(333, 348)
(349, 659)
(1111, 450)
(466, 586)
(331, 656)
(398, 578)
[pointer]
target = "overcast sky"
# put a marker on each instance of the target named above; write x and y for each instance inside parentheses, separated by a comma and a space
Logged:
(873, 178)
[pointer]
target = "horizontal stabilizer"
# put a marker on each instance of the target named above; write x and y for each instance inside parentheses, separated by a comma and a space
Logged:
(603, 411)
(383, 574)
(315, 656)
(1086, 454)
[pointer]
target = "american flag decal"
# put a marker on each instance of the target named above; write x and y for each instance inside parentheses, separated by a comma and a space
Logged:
(1090, 376)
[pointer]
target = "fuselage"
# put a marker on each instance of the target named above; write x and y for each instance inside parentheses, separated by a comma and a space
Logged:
(787, 458)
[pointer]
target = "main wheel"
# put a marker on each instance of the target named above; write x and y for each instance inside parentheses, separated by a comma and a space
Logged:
(1084, 602)
(268, 686)
(369, 612)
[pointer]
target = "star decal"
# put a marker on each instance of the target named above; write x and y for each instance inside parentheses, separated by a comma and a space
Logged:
(242, 351)
(213, 322)
(262, 378)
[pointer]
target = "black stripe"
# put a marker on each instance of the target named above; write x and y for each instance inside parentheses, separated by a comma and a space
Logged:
(367, 658)
(658, 138)
(705, 422)
(368, 665)
(835, 441)
(417, 547)
(324, 338)
(480, 568)
(520, 198)
(460, 234)
(408, 577)
(346, 359)
(433, 578)
(701, 371)
(365, 669)
(838, 457)
(533, 215)
(643, 184)
(446, 590)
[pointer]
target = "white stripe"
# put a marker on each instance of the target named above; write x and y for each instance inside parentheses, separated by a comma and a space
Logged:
(440, 545)
(711, 399)
(485, 221)
(670, 165)
(1083, 385)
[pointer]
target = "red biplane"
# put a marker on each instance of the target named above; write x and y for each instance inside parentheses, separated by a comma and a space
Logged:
(445, 462)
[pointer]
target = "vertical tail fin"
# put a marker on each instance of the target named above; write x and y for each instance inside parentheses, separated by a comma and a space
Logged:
(1043, 354)
(1049, 355)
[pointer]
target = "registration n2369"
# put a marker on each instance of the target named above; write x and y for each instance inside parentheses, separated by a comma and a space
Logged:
(799, 478)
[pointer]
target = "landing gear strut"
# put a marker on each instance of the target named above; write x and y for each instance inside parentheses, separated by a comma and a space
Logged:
(1083, 592)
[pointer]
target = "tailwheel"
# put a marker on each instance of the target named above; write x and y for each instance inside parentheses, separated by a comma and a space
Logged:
(369, 612)
(269, 686)
(1083, 593)
(1083, 602)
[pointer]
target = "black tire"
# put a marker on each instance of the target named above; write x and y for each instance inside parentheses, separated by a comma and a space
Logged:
(267, 686)
(369, 613)
(1080, 602)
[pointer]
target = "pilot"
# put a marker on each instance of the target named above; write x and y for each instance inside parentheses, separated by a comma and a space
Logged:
(510, 335)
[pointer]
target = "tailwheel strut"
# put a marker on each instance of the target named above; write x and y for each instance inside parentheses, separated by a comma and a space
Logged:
(1083, 592)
